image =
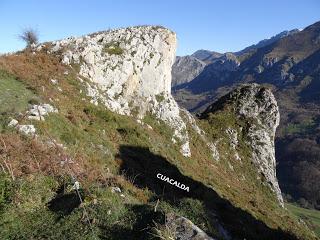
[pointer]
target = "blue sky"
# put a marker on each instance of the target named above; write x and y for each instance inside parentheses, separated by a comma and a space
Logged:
(200, 24)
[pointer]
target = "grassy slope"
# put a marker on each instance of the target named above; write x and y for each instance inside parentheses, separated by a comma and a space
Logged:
(13, 93)
(14, 96)
(312, 217)
(94, 138)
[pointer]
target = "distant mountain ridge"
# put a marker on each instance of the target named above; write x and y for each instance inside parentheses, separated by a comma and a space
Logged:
(204, 55)
(187, 68)
(267, 41)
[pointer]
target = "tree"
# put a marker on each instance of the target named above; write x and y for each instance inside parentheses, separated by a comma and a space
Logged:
(29, 36)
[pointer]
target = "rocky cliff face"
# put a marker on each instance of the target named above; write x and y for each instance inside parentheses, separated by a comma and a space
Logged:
(122, 62)
(129, 71)
(258, 107)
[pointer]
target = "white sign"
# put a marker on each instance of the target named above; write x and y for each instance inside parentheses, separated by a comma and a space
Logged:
(173, 182)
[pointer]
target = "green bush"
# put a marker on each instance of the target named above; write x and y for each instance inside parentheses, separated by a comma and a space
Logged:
(159, 98)
(6, 190)
(113, 48)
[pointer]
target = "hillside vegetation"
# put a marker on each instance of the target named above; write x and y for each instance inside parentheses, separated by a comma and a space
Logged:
(115, 158)
(310, 216)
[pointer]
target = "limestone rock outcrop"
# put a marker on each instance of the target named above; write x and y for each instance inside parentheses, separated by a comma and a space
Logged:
(258, 107)
(37, 112)
(184, 229)
(129, 70)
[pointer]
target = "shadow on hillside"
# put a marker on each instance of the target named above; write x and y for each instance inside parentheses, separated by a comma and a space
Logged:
(139, 227)
(143, 166)
(64, 204)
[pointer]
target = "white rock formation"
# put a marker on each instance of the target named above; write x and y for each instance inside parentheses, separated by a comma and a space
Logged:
(37, 112)
(260, 104)
(27, 129)
(258, 107)
(54, 81)
(13, 123)
(24, 129)
(182, 228)
(128, 69)
(233, 135)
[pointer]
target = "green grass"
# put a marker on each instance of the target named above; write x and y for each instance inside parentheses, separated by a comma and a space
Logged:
(300, 128)
(113, 48)
(160, 97)
(27, 215)
(14, 95)
(312, 217)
